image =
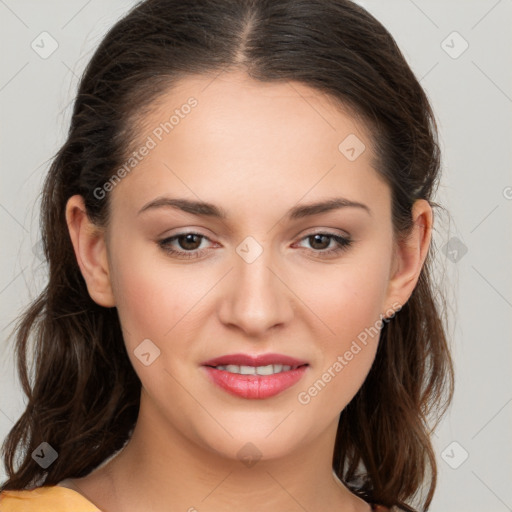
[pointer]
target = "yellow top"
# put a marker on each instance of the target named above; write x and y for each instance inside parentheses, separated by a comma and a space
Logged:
(61, 499)
(44, 499)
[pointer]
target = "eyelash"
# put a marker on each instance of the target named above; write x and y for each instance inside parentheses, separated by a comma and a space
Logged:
(343, 244)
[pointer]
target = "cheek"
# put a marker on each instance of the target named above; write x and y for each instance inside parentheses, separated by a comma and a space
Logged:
(347, 354)
(350, 297)
(357, 301)
(350, 304)
(152, 298)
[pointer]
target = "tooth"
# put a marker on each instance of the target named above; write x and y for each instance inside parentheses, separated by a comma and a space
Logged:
(265, 370)
(256, 370)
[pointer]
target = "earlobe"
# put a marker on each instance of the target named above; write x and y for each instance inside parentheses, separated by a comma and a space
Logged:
(410, 254)
(90, 251)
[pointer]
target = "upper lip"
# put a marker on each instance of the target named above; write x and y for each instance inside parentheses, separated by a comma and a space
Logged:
(258, 360)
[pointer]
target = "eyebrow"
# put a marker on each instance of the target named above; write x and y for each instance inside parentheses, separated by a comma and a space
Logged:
(205, 209)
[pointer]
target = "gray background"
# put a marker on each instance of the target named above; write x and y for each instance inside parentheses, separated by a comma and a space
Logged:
(470, 89)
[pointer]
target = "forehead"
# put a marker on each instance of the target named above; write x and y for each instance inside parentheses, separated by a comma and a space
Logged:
(248, 139)
(233, 105)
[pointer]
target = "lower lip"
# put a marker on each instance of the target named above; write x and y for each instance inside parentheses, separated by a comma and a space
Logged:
(255, 386)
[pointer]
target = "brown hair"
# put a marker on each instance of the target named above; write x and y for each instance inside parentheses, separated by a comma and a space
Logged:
(84, 399)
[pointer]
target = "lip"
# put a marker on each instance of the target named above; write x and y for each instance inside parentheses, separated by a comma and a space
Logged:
(254, 386)
(257, 360)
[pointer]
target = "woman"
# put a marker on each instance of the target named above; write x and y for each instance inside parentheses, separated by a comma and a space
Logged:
(240, 312)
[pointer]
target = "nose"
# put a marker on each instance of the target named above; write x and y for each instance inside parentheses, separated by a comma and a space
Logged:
(256, 297)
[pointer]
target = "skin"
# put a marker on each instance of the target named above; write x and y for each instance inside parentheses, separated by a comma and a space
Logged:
(243, 149)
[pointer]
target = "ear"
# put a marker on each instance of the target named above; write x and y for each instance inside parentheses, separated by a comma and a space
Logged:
(90, 251)
(409, 256)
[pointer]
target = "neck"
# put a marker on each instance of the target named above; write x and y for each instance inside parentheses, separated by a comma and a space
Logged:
(161, 469)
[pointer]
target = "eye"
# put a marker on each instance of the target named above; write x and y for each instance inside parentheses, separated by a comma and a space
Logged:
(188, 241)
(189, 244)
(321, 241)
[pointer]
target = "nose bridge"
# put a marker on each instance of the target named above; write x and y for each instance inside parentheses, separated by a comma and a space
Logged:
(257, 299)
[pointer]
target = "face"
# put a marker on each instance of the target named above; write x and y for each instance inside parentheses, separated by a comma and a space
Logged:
(268, 277)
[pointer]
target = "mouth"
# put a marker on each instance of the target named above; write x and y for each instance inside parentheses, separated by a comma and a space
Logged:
(255, 377)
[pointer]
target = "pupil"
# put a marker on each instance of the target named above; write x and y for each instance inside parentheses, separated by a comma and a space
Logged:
(188, 240)
(316, 239)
